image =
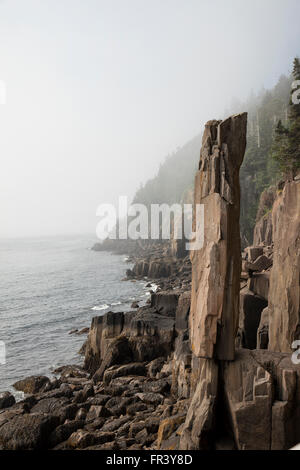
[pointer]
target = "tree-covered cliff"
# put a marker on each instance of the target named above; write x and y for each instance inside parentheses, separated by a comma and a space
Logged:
(259, 169)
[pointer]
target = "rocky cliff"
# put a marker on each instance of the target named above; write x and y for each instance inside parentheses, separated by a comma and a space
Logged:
(207, 363)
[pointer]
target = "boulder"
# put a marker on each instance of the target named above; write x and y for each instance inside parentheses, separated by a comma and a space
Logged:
(261, 263)
(6, 400)
(253, 252)
(82, 439)
(27, 431)
(135, 368)
(64, 431)
(31, 384)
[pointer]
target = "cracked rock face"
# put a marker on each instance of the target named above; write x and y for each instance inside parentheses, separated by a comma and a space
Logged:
(217, 265)
(284, 293)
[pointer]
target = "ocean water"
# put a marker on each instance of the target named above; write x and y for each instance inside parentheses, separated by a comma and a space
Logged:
(50, 286)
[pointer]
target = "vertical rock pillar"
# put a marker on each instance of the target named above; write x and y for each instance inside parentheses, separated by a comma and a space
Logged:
(216, 266)
(284, 293)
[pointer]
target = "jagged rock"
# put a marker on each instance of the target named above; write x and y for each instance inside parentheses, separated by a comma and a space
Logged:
(136, 336)
(181, 367)
(151, 398)
(182, 311)
(97, 411)
(251, 307)
(165, 302)
(263, 407)
(98, 399)
(259, 284)
(64, 431)
(141, 268)
(161, 386)
(159, 269)
(135, 368)
(248, 392)
(115, 424)
(263, 330)
(284, 295)
(253, 252)
(31, 384)
(82, 439)
(200, 419)
(102, 329)
(6, 400)
(155, 366)
(263, 228)
(217, 265)
(118, 352)
(54, 406)
(27, 431)
(260, 264)
(167, 427)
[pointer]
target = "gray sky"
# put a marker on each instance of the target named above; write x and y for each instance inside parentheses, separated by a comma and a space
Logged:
(100, 91)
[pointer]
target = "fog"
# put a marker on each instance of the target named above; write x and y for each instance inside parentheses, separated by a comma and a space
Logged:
(98, 92)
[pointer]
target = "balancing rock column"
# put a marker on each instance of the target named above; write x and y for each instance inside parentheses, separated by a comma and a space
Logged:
(216, 266)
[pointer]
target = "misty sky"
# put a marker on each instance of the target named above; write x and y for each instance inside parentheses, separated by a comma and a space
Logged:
(100, 91)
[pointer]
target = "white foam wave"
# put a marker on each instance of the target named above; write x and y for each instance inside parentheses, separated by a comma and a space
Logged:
(100, 307)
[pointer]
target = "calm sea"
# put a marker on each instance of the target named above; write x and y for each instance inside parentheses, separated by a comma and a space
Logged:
(48, 287)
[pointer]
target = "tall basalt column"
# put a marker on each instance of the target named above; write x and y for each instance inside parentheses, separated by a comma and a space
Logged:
(217, 265)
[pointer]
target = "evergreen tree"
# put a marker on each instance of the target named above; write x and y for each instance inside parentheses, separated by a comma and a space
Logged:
(286, 145)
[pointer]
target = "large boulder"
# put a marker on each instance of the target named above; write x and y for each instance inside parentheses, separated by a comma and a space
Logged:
(31, 384)
(6, 400)
(27, 431)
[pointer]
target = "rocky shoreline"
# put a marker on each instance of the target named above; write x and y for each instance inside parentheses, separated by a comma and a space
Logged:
(120, 395)
(207, 362)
